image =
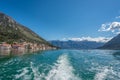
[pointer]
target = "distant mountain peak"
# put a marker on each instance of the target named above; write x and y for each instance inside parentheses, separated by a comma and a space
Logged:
(70, 44)
(92, 39)
(114, 43)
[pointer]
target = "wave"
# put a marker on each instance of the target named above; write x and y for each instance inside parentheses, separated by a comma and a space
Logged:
(23, 74)
(102, 74)
(61, 70)
(106, 72)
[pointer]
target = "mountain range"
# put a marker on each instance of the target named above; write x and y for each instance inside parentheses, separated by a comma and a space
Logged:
(11, 31)
(70, 44)
(114, 43)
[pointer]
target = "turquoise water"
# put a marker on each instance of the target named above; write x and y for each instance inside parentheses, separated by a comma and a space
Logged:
(62, 65)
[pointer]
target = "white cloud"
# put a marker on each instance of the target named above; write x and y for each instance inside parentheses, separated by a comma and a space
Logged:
(118, 17)
(96, 39)
(113, 27)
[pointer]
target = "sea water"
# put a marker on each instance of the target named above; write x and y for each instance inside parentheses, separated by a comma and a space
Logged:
(62, 65)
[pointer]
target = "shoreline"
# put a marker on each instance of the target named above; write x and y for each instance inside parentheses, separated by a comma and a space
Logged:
(20, 48)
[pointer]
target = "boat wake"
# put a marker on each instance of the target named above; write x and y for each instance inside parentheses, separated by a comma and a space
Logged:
(62, 65)
(106, 72)
(61, 70)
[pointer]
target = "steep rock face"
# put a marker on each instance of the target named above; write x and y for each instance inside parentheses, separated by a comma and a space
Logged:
(114, 43)
(11, 31)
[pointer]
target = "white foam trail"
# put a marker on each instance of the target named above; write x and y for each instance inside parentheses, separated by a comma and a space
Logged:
(23, 74)
(102, 74)
(62, 70)
(36, 73)
(106, 73)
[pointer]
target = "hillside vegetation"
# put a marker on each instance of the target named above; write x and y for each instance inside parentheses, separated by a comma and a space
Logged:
(11, 31)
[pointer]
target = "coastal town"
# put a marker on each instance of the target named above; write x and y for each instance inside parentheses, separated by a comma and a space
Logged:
(23, 47)
(16, 38)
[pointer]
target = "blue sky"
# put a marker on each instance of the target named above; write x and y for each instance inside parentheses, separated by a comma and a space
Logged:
(58, 19)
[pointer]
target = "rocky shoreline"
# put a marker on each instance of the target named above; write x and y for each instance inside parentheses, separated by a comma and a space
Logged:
(19, 48)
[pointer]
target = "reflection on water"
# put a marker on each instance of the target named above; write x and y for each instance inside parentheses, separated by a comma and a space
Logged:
(116, 55)
(8, 53)
(5, 52)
